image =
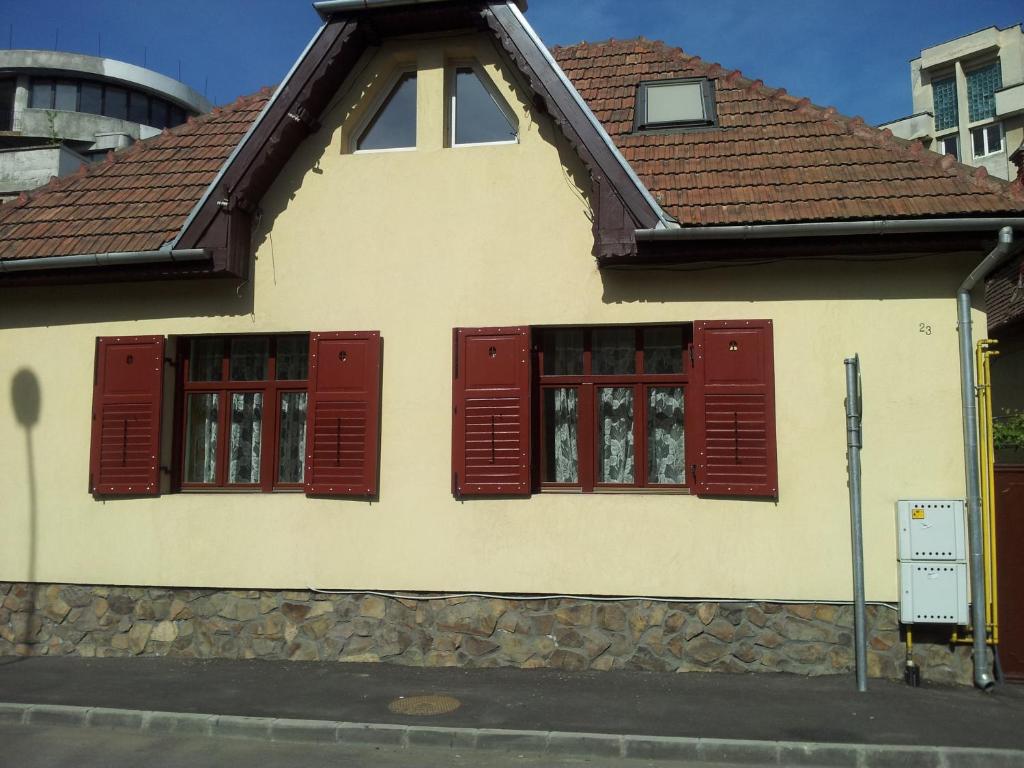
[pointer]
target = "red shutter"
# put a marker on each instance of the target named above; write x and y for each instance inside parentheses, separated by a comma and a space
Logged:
(732, 409)
(126, 409)
(344, 414)
(491, 421)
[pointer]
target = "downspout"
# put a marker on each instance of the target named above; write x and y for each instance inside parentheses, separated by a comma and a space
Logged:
(982, 677)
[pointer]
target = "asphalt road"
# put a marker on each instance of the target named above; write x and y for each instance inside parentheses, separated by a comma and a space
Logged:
(60, 747)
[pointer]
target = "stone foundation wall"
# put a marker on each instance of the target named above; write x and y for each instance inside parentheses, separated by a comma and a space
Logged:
(569, 634)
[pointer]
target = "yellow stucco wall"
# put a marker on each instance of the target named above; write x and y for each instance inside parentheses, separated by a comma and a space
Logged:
(416, 243)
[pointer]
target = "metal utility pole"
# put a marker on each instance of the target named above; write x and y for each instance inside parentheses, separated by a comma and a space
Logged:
(854, 412)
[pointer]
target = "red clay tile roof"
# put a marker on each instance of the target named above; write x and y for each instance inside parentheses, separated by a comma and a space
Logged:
(136, 200)
(774, 158)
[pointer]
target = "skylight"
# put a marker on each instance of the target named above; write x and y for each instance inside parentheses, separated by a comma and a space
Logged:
(675, 104)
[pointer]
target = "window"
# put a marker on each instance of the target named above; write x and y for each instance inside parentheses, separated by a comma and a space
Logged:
(91, 98)
(6, 104)
(948, 145)
(138, 107)
(66, 96)
(944, 103)
(670, 104)
(675, 406)
(394, 124)
(115, 102)
(245, 406)
(987, 140)
(477, 114)
(611, 406)
(982, 84)
(41, 94)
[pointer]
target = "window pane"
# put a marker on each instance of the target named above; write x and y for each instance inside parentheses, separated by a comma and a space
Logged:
(249, 358)
(91, 99)
(982, 85)
(116, 103)
(201, 438)
(205, 357)
(562, 460)
(394, 125)
(944, 103)
(613, 350)
(563, 352)
(995, 138)
(663, 350)
(292, 456)
(7, 89)
(675, 103)
(478, 118)
(158, 114)
(244, 441)
(41, 96)
(950, 146)
(66, 97)
(615, 435)
(292, 358)
(138, 107)
(176, 116)
(665, 443)
(978, 136)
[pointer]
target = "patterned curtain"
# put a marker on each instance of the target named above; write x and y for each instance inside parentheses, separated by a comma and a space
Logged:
(665, 450)
(201, 441)
(564, 448)
(615, 435)
(292, 459)
(244, 440)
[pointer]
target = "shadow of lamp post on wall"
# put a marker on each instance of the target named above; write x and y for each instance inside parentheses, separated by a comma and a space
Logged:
(27, 400)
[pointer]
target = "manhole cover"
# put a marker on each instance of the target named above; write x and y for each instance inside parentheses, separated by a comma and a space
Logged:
(424, 705)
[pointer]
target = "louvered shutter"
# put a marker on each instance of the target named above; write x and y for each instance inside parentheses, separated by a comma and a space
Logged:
(127, 406)
(731, 408)
(491, 412)
(344, 414)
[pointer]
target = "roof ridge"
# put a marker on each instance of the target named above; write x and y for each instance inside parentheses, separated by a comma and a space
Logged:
(881, 138)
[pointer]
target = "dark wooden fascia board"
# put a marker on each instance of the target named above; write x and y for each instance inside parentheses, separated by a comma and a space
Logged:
(617, 198)
(683, 253)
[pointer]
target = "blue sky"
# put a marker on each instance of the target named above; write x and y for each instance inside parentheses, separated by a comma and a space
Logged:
(849, 55)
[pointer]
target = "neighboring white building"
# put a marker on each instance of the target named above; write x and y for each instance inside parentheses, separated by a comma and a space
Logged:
(969, 99)
(60, 110)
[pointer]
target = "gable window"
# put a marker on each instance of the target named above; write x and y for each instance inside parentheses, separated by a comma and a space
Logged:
(948, 145)
(394, 124)
(987, 140)
(477, 114)
(670, 104)
(680, 406)
(982, 84)
(944, 103)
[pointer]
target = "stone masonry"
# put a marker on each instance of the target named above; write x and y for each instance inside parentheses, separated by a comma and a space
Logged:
(568, 634)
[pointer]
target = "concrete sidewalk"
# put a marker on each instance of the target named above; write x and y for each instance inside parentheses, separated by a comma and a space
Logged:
(807, 716)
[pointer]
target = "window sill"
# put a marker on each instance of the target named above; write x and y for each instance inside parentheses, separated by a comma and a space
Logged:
(238, 490)
(605, 491)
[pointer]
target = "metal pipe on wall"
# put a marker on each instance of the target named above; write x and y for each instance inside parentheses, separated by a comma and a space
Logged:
(982, 676)
(853, 446)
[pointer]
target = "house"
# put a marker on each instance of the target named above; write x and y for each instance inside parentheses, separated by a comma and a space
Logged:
(969, 99)
(457, 350)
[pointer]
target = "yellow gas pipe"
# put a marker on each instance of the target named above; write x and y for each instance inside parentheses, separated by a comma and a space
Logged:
(983, 358)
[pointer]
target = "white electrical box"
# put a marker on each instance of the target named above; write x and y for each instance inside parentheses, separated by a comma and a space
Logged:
(931, 529)
(933, 561)
(933, 593)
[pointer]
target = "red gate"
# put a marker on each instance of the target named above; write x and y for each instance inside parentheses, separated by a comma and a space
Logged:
(1010, 568)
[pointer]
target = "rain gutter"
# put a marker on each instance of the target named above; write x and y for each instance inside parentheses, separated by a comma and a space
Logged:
(113, 259)
(326, 7)
(828, 228)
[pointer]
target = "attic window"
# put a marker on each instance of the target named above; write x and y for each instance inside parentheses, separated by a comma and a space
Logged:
(394, 124)
(478, 115)
(666, 104)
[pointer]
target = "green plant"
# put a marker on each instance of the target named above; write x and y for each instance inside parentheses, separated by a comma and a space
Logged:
(1008, 429)
(51, 120)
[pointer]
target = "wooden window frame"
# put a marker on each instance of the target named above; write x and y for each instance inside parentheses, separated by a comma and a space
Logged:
(270, 387)
(587, 383)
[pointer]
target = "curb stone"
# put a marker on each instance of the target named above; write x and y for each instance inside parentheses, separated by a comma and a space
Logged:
(731, 752)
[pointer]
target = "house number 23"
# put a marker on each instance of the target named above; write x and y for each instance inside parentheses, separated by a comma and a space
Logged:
(925, 329)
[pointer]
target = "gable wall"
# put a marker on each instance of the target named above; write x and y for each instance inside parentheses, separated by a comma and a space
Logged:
(414, 244)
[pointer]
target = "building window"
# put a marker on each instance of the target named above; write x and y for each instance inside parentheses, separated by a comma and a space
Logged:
(671, 104)
(6, 104)
(91, 98)
(244, 411)
(394, 124)
(65, 96)
(477, 113)
(987, 139)
(944, 103)
(612, 407)
(948, 145)
(41, 94)
(982, 84)
(95, 98)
